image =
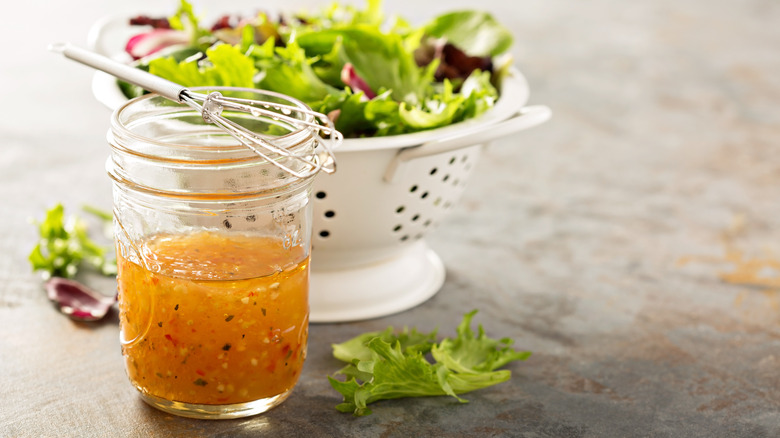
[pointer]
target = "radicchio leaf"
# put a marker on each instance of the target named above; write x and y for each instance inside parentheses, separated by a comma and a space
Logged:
(146, 43)
(145, 20)
(350, 78)
(78, 301)
(457, 64)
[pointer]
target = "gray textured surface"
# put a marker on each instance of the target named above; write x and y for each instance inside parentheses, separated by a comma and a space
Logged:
(572, 238)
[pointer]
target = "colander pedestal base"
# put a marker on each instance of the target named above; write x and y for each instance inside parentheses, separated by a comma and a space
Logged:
(380, 289)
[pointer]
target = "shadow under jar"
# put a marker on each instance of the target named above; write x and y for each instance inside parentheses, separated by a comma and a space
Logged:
(213, 246)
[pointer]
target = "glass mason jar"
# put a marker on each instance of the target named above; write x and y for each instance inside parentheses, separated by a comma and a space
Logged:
(213, 246)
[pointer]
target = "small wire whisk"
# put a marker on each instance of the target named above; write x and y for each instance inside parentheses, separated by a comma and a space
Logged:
(212, 105)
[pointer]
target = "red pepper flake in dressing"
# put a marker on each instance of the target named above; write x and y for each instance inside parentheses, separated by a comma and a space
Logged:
(200, 372)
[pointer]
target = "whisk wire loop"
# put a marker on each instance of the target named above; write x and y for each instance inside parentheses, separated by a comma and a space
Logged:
(212, 105)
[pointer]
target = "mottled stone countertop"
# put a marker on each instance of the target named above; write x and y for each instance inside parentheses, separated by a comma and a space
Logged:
(631, 243)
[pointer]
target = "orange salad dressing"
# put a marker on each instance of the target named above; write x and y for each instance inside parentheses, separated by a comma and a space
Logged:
(223, 320)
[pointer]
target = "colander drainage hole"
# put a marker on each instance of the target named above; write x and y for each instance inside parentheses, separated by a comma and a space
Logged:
(413, 189)
(320, 195)
(427, 223)
(452, 160)
(433, 171)
(397, 228)
(446, 177)
(330, 213)
(324, 233)
(415, 217)
(424, 195)
(404, 238)
(400, 209)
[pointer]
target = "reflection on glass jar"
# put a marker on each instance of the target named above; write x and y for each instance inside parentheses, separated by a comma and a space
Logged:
(213, 250)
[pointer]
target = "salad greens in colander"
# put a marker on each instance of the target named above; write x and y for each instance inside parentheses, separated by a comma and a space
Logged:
(371, 75)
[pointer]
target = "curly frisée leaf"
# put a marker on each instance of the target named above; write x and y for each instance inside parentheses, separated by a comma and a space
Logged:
(383, 365)
(393, 374)
(474, 354)
(408, 340)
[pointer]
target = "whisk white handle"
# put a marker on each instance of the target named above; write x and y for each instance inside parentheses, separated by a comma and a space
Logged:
(527, 117)
(125, 72)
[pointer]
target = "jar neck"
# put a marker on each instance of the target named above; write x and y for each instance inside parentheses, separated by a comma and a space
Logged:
(167, 149)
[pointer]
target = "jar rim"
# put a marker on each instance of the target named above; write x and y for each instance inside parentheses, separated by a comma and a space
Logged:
(167, 149)
(301, 135)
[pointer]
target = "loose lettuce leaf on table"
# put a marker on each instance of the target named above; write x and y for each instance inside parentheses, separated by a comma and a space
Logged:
(475, 354)
(408, 340)
(385, 366)
(395, 374)
(65, 244)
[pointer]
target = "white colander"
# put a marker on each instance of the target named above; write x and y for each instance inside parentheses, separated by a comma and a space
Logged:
(369, 255)
(370, 258)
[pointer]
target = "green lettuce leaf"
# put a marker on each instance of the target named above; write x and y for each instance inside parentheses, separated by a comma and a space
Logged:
(383, 365)
(289, 71)
(226, 66)
(380, 59)
(475, 32)
(65, 245)
(355, 114)
(476, 96)
(396, 374)
(408, 340)
(185, 19)
(337, 14)
(475, 354)
(304, 57)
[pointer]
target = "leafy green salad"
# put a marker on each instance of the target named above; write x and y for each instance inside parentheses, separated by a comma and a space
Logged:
(373, 76)
(389, 365)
